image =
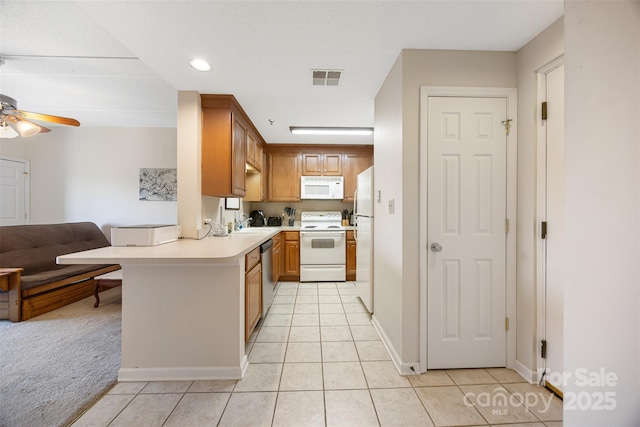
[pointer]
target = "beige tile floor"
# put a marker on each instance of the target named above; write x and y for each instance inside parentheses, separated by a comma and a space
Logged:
(316, 360)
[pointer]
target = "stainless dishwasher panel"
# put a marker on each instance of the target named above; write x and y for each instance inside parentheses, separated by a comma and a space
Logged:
(267, 276)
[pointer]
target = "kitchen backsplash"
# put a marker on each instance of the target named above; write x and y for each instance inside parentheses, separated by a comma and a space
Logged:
(277, 208)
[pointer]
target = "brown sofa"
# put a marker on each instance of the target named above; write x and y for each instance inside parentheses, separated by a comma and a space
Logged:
(45, 285)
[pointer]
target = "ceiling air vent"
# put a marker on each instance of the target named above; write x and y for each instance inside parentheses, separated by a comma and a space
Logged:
(326, 77)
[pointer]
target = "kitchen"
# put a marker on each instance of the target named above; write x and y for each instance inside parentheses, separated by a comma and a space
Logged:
(314, 248)
(117, 140)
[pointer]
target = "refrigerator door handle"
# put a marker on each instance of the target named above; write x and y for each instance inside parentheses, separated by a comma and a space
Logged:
(355, 202)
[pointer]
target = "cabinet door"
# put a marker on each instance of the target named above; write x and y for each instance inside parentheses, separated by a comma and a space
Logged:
(251, 148)
(284, 177)
(238, 157)
(332, 164)
(351, 259)
(312, 164)
(253, 300)
(292, 258)
(276, 255)
(259, 155)
(354, 164)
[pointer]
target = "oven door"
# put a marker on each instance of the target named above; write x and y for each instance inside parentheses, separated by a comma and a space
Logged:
(323, 247)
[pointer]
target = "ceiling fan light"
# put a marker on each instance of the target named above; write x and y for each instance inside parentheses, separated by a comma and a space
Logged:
(200, 64)
(26, 128)
(7, 131)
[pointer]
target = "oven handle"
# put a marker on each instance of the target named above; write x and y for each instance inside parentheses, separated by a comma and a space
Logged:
(323, 233)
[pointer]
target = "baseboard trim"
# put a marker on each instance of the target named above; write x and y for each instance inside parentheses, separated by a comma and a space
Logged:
(525, 372)
(182, 374)
(402, 368)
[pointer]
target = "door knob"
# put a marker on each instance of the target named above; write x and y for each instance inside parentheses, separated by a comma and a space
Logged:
(436, 247)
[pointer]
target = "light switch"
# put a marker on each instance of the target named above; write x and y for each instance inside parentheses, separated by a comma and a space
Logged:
(392, 206)
(379, 196)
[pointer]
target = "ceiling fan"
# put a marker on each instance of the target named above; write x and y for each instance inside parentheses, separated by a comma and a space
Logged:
(14, 122)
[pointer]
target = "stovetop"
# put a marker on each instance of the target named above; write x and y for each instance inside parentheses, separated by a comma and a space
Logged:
(321, 221)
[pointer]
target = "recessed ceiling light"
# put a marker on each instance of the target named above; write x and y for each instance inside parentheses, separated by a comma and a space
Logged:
(200, 64)
(306, 130)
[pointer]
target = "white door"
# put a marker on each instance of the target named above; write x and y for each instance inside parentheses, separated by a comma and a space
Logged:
(466, 216)
(554, 259)
(13, 198)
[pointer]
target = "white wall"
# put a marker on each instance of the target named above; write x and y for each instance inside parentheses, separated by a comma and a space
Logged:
(92, 174)
(546, 47)
(602, 203)
(397, 157)
(387, 228)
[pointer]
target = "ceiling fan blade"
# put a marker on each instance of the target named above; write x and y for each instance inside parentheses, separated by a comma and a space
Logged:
(46, 118)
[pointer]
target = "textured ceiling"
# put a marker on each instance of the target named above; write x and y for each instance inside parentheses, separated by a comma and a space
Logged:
(117, 63)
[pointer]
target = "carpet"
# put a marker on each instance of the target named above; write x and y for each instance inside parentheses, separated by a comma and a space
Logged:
(54, 366)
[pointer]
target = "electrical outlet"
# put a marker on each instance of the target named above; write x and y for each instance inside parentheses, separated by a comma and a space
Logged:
(207, 221)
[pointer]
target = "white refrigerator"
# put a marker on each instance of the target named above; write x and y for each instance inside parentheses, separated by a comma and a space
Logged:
(363, 213)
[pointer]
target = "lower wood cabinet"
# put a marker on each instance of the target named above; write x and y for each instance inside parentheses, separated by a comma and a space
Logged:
(252, 292)
(277, 258)
(291, 256)
(351, 255)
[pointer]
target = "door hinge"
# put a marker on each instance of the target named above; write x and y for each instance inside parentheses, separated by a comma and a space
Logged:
(506, 225)
(543, 230)
(543, 349)
(543, 113)
(506, 324)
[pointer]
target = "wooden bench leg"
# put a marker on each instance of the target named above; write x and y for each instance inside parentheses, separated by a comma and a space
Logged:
(96, 289)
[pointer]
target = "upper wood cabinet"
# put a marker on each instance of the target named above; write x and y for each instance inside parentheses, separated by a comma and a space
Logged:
(254, 151)
(287, 163)
(284, 176)
(327, 164)
(355, 163)
(227, 132)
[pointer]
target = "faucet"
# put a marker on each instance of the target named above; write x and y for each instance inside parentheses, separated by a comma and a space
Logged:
(243, 223)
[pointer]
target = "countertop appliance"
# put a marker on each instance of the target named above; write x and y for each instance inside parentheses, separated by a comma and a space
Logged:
(322, 187)
(363, 217)
(323, 242)
(274, 221)
(144, 235)
(267, 276)
(257, 219)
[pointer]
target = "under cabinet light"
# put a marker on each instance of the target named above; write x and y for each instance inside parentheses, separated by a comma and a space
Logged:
(304, 130)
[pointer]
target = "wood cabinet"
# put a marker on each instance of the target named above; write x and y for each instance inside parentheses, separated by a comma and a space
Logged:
(287, 163)
(291, 270)
(354, 163)
(351, 255)
(228, 139)
(252, 292)
(323, 164)
(284, 176)
(254, 151)
(277, 258)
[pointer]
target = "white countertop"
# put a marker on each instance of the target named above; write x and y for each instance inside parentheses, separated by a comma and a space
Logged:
(183, 251)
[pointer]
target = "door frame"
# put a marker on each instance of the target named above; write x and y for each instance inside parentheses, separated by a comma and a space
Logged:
(510, 94)
(27, 185)
(541, 210)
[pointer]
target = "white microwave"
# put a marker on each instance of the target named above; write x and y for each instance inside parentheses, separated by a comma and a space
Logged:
(322, 187)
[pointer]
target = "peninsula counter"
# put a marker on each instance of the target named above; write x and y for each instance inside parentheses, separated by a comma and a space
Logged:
(182, 306)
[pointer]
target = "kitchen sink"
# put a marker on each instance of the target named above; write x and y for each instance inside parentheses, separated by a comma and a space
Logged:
(256, 230)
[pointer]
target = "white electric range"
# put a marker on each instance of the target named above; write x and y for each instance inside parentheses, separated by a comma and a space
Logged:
(323, 242)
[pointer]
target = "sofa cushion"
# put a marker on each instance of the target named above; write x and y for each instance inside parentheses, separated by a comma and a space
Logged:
(35, 247)
(35, 280)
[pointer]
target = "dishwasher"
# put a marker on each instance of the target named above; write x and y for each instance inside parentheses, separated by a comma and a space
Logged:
(267, 276)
